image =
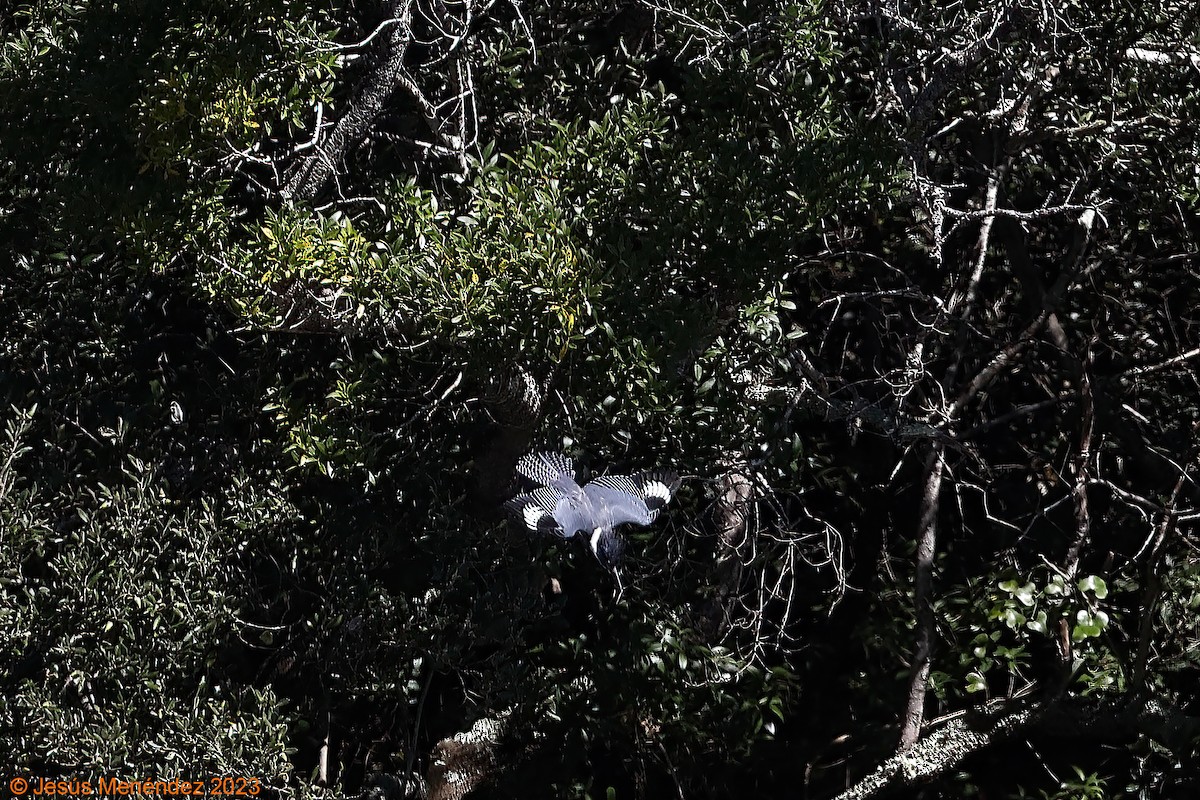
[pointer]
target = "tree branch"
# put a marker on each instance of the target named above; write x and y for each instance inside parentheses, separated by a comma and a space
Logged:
(310, 177)
(1096, 719)
(918, 683)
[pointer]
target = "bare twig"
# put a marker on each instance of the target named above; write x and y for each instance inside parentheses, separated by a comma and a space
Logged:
(1083, 517)
(1152, 591)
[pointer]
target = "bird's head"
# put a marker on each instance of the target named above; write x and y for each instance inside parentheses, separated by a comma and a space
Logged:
(607, 546)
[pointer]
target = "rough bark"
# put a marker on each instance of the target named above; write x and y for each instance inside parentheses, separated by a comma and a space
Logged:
(316, 170)
(514, 398)
(918, 682)
(733, 511)
(465, 761)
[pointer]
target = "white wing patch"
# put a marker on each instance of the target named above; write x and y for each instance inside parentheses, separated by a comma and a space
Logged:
(534, 514)
(531, 514)
(658, 489)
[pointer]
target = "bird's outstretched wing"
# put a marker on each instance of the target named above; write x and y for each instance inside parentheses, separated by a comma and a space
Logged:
(546, 469)
(533, 513)
(547, 510)
(632, 498)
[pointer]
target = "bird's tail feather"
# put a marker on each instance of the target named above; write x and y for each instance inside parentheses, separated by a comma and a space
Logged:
(546, 468)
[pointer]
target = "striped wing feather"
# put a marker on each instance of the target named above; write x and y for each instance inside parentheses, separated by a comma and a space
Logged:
(533, 515)
(632, 498)
(546, 468)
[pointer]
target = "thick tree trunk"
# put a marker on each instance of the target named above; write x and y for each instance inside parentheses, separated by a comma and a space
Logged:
(514, 398)
(733, 511)
(465, 761)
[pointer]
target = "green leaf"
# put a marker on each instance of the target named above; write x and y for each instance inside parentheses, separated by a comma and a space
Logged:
(1095, 585)
(1088, 624)
(1013, 618)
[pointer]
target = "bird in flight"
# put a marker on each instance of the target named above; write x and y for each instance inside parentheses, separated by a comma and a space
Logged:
(561, 506)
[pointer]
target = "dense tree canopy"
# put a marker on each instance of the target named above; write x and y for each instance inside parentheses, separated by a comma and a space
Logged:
(908, 296)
